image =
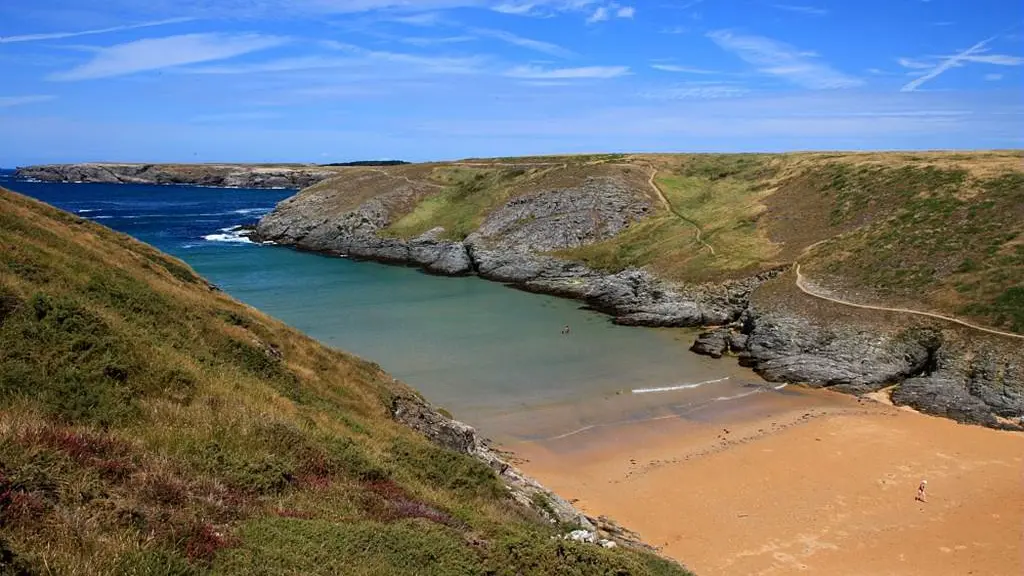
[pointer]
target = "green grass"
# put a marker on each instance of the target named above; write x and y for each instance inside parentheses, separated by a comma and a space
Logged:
(928, 235)
(470, 194)
(151, 425)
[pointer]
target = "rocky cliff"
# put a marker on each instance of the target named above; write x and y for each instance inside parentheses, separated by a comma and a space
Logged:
(219, 175)
(526, 234)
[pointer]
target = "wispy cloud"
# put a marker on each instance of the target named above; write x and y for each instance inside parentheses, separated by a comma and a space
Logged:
(777, 58)
(158, 53)
(675, 30)
(542, 8)
(609, 11)
(599, 15)
(681, 69)
(62, 35)
(993, 77)
(914, 64)
(696, 91)
(528, 43)
(975, 53)
(11, 101)
(808, 10)
(382, 62)
(231, 117)
(434, 41)
(537, 73)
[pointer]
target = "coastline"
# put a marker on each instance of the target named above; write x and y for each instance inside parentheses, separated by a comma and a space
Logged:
(788, 337)
(813, 481)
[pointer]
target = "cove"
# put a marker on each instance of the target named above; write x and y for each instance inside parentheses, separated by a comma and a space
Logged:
(493, 356)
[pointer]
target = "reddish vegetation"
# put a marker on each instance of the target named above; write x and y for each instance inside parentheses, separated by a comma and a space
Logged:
(315, 472)
(203, 542)
(108, 455)
(393, 503)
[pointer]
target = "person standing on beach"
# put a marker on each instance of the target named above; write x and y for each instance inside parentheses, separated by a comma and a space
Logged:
(920, 491)
(566, 329)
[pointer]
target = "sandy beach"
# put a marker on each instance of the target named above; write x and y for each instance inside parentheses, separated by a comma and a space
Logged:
(805, 482)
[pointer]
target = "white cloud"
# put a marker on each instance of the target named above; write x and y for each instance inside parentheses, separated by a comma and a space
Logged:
(780, 59)
(675, 30)
(696, 91)
(993, 77)
(599, 15)
(11, 101)
(529, 43)
(808, 10)
(537, 73)
(681, 69)
(62, 35)
(625, 12)
(158, 53)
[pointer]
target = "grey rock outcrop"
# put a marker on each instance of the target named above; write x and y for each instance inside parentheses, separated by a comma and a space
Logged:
(985, 387)
(219, 175)
(788, 347)
(936, 372)
(714, 344)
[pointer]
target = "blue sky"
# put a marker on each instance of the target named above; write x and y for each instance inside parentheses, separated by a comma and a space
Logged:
(331, 80)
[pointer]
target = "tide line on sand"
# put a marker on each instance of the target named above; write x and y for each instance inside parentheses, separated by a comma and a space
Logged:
(677, 387)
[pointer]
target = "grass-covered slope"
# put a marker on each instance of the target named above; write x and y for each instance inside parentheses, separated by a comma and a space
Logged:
(939, 232)
(149, 424)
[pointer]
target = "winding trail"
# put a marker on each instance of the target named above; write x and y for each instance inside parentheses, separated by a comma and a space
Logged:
(668, 206)
(801, 284)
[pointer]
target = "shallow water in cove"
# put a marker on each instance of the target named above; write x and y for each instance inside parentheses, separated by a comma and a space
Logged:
(493, 356)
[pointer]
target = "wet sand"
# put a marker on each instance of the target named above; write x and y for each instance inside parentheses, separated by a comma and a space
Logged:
(804, 482)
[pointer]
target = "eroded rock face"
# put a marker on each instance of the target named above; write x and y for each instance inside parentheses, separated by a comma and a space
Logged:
(936, 372)
(597, 210)
(221, 175)
(978, 388)
(786, 347)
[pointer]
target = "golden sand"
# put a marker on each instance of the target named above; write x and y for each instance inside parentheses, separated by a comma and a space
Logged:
(812, 482)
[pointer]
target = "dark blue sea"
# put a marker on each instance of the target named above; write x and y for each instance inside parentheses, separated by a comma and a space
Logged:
(487, 353)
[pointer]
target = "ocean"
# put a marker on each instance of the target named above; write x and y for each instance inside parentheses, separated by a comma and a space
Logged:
(493, 356)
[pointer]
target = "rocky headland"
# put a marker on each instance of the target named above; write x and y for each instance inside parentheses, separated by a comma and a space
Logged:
(216, 175)
(527, 239)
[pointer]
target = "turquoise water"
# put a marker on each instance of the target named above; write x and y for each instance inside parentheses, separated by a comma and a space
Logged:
(479, 349)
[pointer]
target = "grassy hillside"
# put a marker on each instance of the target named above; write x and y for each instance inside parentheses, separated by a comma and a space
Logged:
(151, 425)
(935, 231)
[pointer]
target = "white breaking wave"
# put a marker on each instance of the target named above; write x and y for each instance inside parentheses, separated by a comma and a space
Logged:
(87, 210)
(252, 211)
(101, 217)
(233, 235)
(678, 387)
